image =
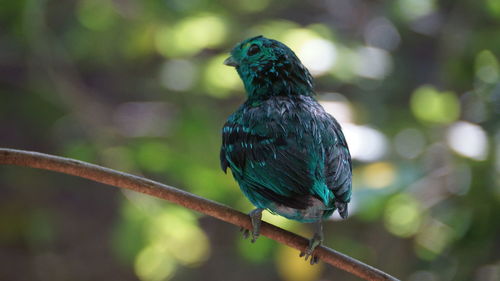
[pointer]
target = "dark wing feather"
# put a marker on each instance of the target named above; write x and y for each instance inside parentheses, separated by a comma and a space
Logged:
(223, 161)
(268, 163)
(338, 170)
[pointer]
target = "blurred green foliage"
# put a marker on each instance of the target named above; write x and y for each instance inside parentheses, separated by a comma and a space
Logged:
(139, 86)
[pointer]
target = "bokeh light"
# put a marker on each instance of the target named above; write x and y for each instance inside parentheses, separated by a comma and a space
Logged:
(403, 215)
(154, 264)
(365, 143)
(337, 105)
(292, 268)
(191, 35)
(178, 75)
(487, 67)
(409, 143)
(433, 239)
(378, 175)
(381, 33)
(468, 139)
(430, 105)
(316, 53)
(219, 79)
(172, 237)
(373, 63)
(414, 9)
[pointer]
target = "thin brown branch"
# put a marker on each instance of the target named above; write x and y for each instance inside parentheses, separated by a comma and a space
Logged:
(188, 200)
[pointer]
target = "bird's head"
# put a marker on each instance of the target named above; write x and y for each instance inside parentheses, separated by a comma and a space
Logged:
(269, 68)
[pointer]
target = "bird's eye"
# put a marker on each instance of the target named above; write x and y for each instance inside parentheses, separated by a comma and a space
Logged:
(254, 49)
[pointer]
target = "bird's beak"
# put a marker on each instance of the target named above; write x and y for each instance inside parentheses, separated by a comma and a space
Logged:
(231, 62)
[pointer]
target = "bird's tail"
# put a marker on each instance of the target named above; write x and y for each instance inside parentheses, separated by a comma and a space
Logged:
(341, 208)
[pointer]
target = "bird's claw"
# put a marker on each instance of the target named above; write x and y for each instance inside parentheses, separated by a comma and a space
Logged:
(246, 233)
(313, 243)
(314, 259)
(254, 237)
(255, 217)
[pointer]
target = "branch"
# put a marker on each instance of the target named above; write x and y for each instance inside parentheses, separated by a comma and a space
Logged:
(185, 199)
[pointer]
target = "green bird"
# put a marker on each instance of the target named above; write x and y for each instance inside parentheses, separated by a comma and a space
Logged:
(288, 155)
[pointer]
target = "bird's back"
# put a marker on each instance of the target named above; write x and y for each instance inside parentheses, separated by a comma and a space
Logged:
(289, 156)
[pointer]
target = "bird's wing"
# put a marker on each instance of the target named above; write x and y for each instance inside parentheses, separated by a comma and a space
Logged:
(268, 162)
(338, 167)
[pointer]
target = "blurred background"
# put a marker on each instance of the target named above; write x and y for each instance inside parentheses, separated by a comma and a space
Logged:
(139, 86)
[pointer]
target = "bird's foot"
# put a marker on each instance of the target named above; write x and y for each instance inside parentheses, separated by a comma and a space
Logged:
(256, 218)
(313, 243)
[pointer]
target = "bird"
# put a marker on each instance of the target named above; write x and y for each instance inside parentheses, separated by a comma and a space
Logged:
(288, 155)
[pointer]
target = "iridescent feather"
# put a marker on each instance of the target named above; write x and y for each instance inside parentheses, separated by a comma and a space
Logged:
(287, 154)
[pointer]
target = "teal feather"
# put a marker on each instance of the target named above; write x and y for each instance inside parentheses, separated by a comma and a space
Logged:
(287, 154)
